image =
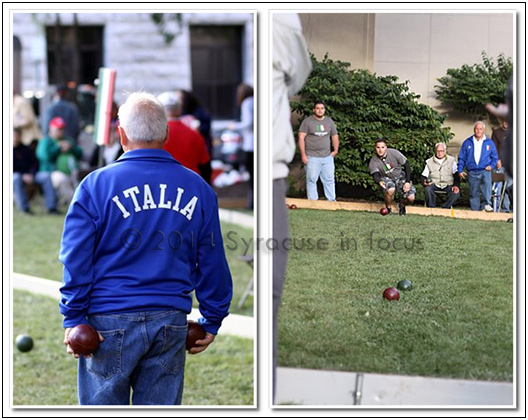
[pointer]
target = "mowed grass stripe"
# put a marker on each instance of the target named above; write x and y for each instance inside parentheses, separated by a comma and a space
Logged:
(457, 321)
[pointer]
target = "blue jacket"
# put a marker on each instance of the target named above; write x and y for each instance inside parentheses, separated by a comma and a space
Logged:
(141, 234)
(466, 156)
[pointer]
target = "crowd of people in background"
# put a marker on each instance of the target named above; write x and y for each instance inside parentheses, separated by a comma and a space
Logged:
(51, 157)
(52, 151)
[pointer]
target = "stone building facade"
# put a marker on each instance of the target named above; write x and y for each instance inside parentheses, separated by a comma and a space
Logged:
(136, 47)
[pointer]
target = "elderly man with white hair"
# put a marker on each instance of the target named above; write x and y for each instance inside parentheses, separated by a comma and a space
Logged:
(141, 234)
(478, 155)
(441, 175)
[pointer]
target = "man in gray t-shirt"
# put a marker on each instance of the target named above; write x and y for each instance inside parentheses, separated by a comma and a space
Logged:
(391, 170)
(315, 135)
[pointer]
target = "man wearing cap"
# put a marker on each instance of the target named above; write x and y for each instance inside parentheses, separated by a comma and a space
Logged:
(315, 135)
(59, 155)
(64, 109)
(185, 145)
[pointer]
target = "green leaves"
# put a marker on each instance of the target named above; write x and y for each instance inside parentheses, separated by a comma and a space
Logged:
(468, 88)
(169, 25)
(365, 107)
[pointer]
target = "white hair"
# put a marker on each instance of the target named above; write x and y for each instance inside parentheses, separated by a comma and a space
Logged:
(170, 100)
(143, 118)
(480, 122)
(440, 144)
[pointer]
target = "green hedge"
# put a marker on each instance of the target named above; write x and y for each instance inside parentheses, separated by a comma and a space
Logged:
(364, 107)
(469, 88)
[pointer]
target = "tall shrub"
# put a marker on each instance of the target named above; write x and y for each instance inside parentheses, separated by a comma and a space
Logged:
(365, 107)
(468, 88)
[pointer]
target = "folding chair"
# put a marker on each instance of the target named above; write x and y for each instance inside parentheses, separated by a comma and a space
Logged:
(249, 288)
(498, 190)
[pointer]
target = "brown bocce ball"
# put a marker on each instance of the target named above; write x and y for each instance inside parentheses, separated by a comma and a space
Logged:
(84, 339)
(194, 332)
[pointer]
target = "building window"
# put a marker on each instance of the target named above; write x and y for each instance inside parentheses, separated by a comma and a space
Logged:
(75, 53)
(216, 60)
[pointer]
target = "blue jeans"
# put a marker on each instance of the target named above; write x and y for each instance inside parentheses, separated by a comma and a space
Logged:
(430, 196)
(143, 352)
(324, 168)
(41, 178)
(479, 184)
(509, 183)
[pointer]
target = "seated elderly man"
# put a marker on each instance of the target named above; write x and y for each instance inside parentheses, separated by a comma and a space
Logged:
(441, 174)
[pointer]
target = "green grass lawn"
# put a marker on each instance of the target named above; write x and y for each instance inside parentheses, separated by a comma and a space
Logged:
(47, 375)
(457, 322)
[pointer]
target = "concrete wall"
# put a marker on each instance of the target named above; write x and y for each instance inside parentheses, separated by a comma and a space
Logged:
(348, 37)
(418, 47)
(421, 47)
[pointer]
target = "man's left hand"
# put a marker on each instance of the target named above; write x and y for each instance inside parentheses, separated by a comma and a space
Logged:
(455, 189)
(202, 344)
(488, 168)
(406, 186)
(333, 154)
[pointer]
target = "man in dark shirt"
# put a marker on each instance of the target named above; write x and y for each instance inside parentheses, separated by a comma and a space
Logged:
(499, 137)
(65, 109)
(391, 170)
(25, 166)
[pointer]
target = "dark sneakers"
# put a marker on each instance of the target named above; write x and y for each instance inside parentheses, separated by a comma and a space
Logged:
(402, 211)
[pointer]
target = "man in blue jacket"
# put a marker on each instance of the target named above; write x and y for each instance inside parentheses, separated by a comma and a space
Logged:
(140, 235)
(479, 157)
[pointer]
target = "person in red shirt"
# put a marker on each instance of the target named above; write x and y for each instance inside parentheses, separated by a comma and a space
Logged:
(186, 145)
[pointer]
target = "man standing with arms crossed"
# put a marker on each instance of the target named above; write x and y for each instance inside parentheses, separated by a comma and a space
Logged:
(315, 134)
(141, 235)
